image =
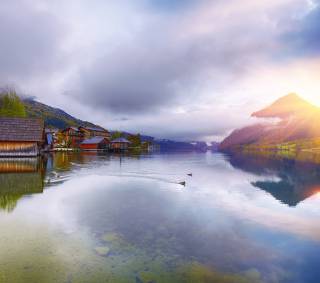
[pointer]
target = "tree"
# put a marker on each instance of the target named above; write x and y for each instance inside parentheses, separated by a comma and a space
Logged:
(116, 135)
(135, 140)
(10, 104)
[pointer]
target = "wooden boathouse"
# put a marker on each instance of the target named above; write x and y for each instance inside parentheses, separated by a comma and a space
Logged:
(90, 132)
(73, 137)
(95, 144)
(21, 137)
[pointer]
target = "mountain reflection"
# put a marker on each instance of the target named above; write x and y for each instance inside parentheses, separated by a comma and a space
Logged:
(297, 180)
(19, 177)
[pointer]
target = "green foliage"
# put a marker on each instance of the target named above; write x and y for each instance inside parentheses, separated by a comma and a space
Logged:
(116, 135)
(135, 140)
(11, 105)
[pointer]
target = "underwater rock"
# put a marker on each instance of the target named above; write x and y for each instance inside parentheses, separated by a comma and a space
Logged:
(111, 237)
(102, 250)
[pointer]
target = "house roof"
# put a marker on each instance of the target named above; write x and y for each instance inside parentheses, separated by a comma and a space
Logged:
(94, 140)
(73, 128)
(94, 129)
(21, 129)
(122, 140)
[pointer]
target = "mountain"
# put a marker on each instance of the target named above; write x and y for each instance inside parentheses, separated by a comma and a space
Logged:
(297, 120)
(57, 118)
(53, 117)
(180, 146)
(286, 106)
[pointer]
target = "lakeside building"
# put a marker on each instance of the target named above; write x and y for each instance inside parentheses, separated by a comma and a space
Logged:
(120, 144)
(89, 132)
(73, 137)
(21, 137)
(95, 144)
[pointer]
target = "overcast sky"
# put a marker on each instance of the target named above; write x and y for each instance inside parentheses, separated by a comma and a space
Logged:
(182, 69)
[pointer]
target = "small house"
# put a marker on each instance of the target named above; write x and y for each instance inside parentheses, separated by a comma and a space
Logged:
(120, 144)
(95, 143)
(73, 137)
(89, 132)
(21, 136)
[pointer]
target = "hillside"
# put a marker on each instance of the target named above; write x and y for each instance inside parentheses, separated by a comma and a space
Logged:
(58, 118)
(53, 117)
(298, 120)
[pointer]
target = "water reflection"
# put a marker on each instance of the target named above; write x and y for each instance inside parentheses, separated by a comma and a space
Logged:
(19, 177)
(27, 176)
(116, 218)
(296, 180)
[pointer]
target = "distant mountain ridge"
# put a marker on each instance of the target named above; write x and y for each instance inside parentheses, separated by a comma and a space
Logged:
(57, 118)
(298, 120)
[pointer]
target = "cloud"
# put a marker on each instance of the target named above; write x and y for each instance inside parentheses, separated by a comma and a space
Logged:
(304, 36)
(30, 39)
(168, 59)
(174, 68)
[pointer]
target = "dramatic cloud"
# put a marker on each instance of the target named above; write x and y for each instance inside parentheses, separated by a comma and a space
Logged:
(30, 42)
(169, 58)
(179, 69)
(304, 38)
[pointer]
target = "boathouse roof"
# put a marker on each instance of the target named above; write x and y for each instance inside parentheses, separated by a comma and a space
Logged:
(94, 140)
(21, 129)
(72, 128)
(94, 129)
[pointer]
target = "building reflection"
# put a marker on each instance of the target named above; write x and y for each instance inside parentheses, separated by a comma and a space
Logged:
(296, 180)
(19, 177)
(65, 161)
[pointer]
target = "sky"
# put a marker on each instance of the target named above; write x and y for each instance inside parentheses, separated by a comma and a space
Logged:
(179, 69)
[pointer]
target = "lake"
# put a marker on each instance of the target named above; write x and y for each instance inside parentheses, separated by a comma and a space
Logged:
(86, 217)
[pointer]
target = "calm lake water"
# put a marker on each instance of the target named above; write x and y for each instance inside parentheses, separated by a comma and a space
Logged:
(111, 218)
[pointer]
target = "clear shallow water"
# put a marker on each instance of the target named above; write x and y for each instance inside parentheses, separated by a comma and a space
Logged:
(89, 218)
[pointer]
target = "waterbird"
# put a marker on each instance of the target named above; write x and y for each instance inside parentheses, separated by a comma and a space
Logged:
(182, 183)
(56, 174)
(189, 174)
